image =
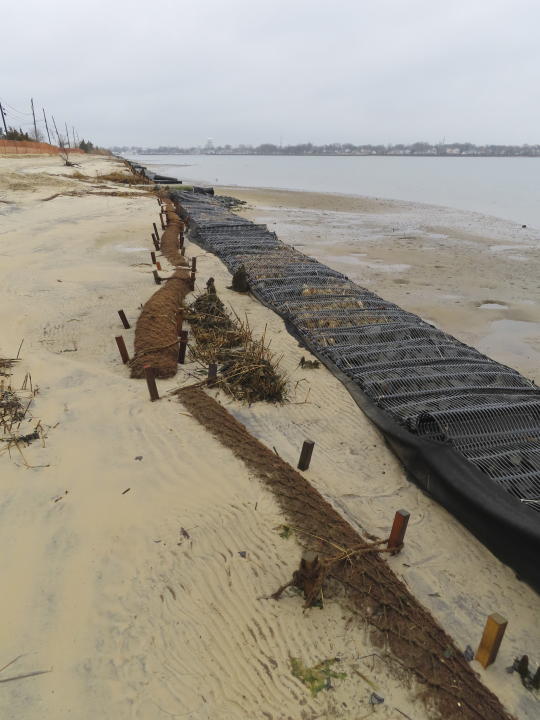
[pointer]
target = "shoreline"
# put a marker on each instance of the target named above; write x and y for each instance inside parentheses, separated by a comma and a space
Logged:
(125, 613)
(486, 294)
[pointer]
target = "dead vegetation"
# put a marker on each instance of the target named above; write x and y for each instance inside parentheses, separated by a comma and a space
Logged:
(14, 411)
(248, 369)
(122, 178)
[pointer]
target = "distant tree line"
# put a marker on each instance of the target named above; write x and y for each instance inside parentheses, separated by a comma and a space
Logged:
(417, 148)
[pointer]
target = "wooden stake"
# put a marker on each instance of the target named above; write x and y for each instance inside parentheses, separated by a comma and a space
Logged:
(122, 349)
(212, 375)
(193, 264)
(181, 240)
(182, 251)
(155, 241)
(192, 281)
(124, 319)
(162, 223)
(491, 639)
(183, 346)
(179, 321)
(153, 256)
(397, 534)
(305, 455)
(157, 279)
(156, 234)
(158, 265)
(151, 382)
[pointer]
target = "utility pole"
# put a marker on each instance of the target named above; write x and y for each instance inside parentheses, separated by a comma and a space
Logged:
(46, 126)
(3, 117)
(67, 136)
(34, 114)
(57, 133)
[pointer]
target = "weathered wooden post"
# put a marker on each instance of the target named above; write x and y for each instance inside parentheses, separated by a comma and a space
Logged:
(179, 321)
(155, 241)
(212, 375)
(182, 347)
(122, 349)
(193, 264)
(151, 382)
(124, 319)
(153, 257)
(491, 639)
(162, 223)
(397, 534)
(192, 280)
(158, 265)
(157, 279)
(156, 234)
(305, 455)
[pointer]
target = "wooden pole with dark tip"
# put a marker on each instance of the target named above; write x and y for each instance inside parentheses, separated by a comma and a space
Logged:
(153, 256)
(305, 455)
(182, 347)
(124, 319)
(162, 223)
(157, 279)
(212, 375)
(158, 265)
(179, 321)
(192, 281)
(193, 264)
(397, 534)
(155, 241)
(122, 349)
(156, 234)
(151, 382)
(491, 639)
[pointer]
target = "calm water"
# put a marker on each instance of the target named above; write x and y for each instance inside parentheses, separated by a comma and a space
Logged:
(504, 187)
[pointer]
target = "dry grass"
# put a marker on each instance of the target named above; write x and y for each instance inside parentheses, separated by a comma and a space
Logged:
(123, 178)
(249, 370)
(14, 411)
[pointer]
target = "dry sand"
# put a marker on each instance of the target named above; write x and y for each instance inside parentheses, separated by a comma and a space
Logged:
(141, 604)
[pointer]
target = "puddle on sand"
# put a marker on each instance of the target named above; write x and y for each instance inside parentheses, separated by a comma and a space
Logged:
(124, 248)
(489, 305)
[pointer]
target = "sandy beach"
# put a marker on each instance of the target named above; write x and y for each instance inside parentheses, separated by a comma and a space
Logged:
(139, 553)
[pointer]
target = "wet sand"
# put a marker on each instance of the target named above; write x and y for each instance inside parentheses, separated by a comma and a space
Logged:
(474, 276)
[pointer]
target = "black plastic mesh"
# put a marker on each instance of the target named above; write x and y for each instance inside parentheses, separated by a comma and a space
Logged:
(436, 386)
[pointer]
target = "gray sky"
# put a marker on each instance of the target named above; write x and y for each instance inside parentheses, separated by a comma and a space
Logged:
(178, 72)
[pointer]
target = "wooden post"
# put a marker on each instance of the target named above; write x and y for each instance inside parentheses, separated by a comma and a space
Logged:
(212, 375)
(305, 455)
(397, 534)
(157, 279)
(124, 319)
(153, 256)
(179, 321)
(155, 241)
(181, 240)
(122, 349)
(151, 382)
(158, 265)
(182, 347)
(192, 280)
(156, 234)
(182, 251)
(491, 639)
(193, 264)
(162, 223)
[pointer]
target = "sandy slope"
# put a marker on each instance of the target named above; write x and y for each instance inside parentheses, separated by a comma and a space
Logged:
(141, 604)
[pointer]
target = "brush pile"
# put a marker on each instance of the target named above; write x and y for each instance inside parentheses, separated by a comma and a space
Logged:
(249, 370)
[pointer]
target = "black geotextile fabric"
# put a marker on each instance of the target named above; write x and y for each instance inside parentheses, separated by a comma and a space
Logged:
(466, 427)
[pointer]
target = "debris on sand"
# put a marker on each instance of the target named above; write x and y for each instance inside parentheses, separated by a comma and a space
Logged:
(316, 678)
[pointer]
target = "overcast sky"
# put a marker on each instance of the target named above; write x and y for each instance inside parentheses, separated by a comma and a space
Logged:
(178, 72)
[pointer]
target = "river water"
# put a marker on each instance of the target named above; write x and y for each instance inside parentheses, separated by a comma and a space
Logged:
(503, 187)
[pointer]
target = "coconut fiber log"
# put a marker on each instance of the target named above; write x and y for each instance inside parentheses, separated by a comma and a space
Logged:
(156, 338)
(171, 235)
